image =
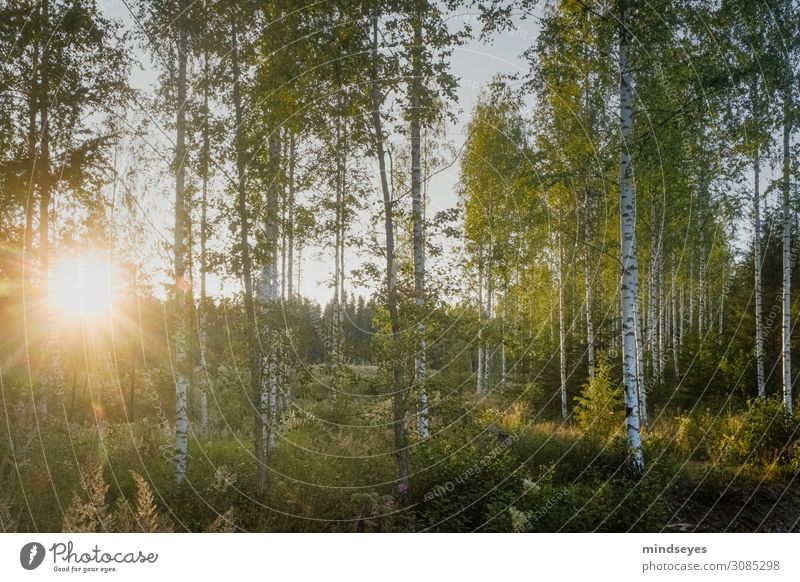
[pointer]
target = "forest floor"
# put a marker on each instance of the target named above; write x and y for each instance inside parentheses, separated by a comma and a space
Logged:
(501, 462)
(742, 507)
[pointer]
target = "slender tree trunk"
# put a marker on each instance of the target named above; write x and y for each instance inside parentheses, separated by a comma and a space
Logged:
(203, 308)
(503, 368)
(562, 328)
(640, 375)
(652, 311)
(181, 295)
(44, 204)
(284, 205)
(290, 221)
(588, 283)
(757, 268)
(682, 318)
(628, 244)
(675, 319)
(247, 269)
(487, 325)
(481, 373)
(721, 319)
(33, 110)
(417, 219)
(787, 232)
(270, 365)
(701, 293)
(662, 322)
(400, 391)
(690, 282)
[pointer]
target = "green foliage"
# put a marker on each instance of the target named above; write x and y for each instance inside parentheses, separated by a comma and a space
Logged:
(600, 407)
(768, 430)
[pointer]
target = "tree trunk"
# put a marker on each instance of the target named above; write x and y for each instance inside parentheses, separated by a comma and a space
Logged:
(662, 321)
(290, 219)
(203, 308)
(690, 282)
(481, 372)
(30, 202)
(400, 391)
(701, 293)
(588, 283)
(682, 318)
(640, 375)
(757, 268)
(562, 327)
(417, 219)
(181, 295)
(628, 243)
(786, 327)
(675, 318)
(269, 391)
(247, 269)
(44, 204)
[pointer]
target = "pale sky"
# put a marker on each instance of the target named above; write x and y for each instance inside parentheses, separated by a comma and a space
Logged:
(474, 64)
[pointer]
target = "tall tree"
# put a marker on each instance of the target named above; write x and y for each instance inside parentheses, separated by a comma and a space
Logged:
(630, 279)
(788, 16)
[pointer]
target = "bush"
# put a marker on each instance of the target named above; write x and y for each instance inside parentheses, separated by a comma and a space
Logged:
(465, 481)
(600, 408)
(768, 429)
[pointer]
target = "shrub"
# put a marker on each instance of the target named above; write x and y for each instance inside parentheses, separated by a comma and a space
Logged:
(600, 409)
(768, 429)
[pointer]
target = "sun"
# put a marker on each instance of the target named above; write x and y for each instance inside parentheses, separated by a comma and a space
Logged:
(83, 286)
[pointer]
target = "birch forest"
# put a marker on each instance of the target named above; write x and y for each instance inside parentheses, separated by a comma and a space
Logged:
(399, 266)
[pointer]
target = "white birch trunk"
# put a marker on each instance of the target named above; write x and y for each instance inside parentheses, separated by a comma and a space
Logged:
(675, 319)
(270, 294)
(290, 220)
(562, 329)
(417, 219)
(652, 311)
(757, 267)
(479, 372)
(588, 284)
(628, 243)
(701, 293)
(786, 327)
(640, 376)
(182, 331)
(503, 370)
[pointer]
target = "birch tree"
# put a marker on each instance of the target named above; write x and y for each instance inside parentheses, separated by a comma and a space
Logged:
(630, 282)
(181, 223)
(787, 90)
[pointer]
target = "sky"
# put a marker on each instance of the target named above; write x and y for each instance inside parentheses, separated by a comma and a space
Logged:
(475, 64)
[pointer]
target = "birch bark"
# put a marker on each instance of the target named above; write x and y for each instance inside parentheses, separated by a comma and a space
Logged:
(628, 242)
(181, 314)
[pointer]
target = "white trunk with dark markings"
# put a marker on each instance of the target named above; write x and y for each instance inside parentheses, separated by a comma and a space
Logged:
(588, 284)
(181, 314)
(562, 328)
(270, 338)
(786, 335)
(628, 234)
(675, 319)
(757, 267)
(418, 219)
